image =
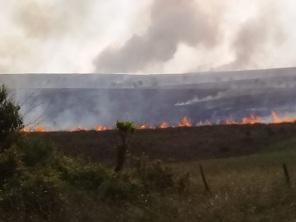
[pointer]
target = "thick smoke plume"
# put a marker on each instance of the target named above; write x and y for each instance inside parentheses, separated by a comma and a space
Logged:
(253, 39)
(147, 36)
(172, 22)
(177, 22)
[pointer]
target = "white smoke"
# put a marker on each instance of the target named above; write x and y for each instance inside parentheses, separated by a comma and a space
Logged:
(148, 36)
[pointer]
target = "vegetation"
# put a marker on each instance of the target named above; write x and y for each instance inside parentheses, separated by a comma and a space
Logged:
(242, 188)
(125, 129)
(37, 183)
(10, 119)
(40, 184)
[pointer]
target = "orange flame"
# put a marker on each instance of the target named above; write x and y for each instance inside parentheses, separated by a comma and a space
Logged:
(100, 128)
(142, 126)
(185, 122)
(164, 125)
(276, 119)
(252, 119)
(38, 129)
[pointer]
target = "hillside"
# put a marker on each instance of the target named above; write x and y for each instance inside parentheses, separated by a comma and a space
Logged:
(66, 101)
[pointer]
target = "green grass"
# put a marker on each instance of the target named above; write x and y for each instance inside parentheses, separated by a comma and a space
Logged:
(245, 186)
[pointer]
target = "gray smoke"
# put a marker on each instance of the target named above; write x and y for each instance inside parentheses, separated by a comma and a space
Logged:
(252, 41)
(48, 19)
(172, 22)
(175, 22)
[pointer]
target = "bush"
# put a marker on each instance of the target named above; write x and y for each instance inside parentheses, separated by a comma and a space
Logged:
(154, 175)
(118, 189)
(10, 119)
(36, 152)
(88, 176)
(10, 164)
(39, 184)
(34, 195)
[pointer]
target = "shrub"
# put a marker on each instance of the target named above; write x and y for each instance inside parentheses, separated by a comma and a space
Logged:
(88, 176)
(10, 119)
(36, 152)
(154, 175)
(117, 189)
(125, 129)
(10, 163)
(37, 195)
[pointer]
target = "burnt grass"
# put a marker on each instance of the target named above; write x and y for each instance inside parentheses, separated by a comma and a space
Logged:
(175, 144)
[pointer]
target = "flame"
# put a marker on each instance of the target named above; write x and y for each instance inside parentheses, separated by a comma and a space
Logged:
(144, 126)
(252, 119)
(38, 129)
(164, 125)
(248, 120)
(185, 122)
(230, 122)
(276, 119)
(100, 128)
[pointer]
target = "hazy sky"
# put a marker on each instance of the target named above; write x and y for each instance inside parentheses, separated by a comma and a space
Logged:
(146, 36)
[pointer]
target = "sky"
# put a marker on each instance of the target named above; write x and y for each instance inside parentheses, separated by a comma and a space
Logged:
(147, 36)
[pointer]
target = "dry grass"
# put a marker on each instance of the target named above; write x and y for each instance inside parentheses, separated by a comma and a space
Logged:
(243, 187)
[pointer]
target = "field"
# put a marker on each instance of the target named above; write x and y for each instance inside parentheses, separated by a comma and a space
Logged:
(178, 144)
(243, 166)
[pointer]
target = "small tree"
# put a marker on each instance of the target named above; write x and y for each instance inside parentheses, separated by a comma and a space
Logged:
(10, 119)
(125, 129)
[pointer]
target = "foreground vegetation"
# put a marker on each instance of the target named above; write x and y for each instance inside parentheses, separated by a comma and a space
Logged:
(40, 184)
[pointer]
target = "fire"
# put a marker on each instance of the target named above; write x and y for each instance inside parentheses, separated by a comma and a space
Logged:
(230, 122)
(286, 119)
(164, 125)
(252, 119)
(38, 129)
(143, 126)
(185, 122)
(248, 120)
(100, 128)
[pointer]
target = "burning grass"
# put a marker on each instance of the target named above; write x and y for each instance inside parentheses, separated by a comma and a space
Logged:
(252, 119)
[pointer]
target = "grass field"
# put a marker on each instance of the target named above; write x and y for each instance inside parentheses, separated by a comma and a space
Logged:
(178, 144)
(243, 166)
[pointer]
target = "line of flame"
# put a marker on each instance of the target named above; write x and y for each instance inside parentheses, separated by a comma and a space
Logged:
(184, 122)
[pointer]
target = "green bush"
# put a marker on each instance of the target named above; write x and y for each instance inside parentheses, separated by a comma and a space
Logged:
(36, 152)
(34, 195)
(118, 189)
(83, 175)
(10, 164)
(10, 119)
(37, 183)
(154, 175)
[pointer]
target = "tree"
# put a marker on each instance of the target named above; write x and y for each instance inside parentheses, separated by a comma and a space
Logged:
(125, 129)
(10, 120)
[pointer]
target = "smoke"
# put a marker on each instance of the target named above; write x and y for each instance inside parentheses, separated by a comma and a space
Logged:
(44, 36)
(256, 38)
(253, 41)
(172, 22)
(148, 36)
(47, 19)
